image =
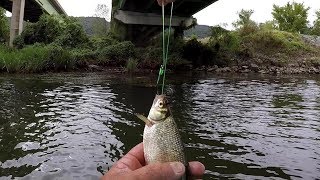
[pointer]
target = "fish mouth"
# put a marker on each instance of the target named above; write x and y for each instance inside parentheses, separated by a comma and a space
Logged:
(158, 114)
(162, 110)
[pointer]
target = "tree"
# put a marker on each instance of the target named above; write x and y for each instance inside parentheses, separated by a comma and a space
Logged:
(291, 17)
(4, 27)
(244, 18)
(245, 24)
(316, 25)
(268, 25)
(102, 13)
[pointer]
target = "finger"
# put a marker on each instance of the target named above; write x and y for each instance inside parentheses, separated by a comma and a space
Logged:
(162, 2)
(196, 169)
(161, 171)
(133, 160)
(138, 153)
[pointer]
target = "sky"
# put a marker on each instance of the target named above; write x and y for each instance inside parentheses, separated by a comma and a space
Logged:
(219, 13)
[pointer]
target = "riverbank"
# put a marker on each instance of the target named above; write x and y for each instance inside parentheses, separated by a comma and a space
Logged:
(304, 59)
(249, 49)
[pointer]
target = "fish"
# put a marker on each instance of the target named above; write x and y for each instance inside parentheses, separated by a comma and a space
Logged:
(161, 138)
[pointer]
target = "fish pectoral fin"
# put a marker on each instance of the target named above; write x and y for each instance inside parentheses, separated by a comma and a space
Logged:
(144, 119)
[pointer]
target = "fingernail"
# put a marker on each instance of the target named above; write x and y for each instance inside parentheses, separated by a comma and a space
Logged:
(178, 168)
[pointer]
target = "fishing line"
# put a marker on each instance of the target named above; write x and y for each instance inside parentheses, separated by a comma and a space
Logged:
(165, 49)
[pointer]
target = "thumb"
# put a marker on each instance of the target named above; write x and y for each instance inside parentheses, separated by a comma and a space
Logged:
(160, 171)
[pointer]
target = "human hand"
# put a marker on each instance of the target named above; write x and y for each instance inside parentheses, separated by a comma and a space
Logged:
(132, 167)
(165, 2)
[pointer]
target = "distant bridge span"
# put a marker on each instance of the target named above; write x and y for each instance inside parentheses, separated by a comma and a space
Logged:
(139, 20)
(29, 10)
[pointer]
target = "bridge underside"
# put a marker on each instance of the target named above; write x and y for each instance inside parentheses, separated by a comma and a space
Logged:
(182, 8)
(141, 20)
(28, 10)
(32, 10)
(35, 8)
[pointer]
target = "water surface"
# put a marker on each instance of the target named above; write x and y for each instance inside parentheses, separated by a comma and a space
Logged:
(75, 126)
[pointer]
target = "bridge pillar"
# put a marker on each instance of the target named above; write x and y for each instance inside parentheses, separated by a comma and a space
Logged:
(16, 26)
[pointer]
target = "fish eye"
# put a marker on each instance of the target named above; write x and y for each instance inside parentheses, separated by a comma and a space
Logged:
(161, 103)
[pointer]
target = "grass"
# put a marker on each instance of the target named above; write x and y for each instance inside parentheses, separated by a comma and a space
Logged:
(36, 58)
(132, 65)
(275, 40)
(263, 47)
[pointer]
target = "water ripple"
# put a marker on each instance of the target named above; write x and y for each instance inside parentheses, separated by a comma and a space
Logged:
(77, 126)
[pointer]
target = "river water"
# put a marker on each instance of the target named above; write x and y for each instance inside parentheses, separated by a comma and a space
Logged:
(75, 126)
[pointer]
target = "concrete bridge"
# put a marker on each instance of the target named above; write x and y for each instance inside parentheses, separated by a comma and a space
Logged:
(28, 10)
(139, 20)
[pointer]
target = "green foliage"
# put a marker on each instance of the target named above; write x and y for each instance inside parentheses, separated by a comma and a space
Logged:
(73, 35)
(316, 25)
(30, 59)
(198, 53)
(100, 27)
(4, 27)
(151, 57)
(116, 54)
(222, 39)
(81, 55)
(274, 40)
(200, 31)
(244, 18)
(132, 65)
(104, 41)
(217, 33)
(245, 25)
(293, 17)
(35, 58)
(59, 58)
(65, 31)
(268, 25)
(18, 42)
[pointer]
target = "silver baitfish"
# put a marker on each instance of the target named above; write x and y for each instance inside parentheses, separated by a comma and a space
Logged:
(161, 138)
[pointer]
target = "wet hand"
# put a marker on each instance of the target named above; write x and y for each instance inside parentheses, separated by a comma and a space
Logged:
(165, 2)
(132, 167)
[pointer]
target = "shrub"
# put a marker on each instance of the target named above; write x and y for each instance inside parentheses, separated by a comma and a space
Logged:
(4, 27)
(104, 41)
(29, 59)
(278, 40)
(132, 65)
(59, 58)
(18, 42)
(151, 57)
(116, 54)
(245, 25)
(83, 54)
(198, 53)
(73, 35)
(293, 17)
(64, 31)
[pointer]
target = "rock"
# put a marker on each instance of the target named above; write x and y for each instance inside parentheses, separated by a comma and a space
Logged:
(223, 70)
(254, 67)
(212, 69)
(314, 40)
(262, 71)
(93, 67)
(245, 71)
(245, 67)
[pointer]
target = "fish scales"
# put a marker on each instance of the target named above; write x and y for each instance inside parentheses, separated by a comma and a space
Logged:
(161, 139)
(162, 142)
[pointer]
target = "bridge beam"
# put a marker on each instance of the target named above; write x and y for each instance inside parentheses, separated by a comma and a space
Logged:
(16, 19)
(136, 18)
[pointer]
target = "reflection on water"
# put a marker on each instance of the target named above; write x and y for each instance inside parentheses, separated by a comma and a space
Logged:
(77, 126)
